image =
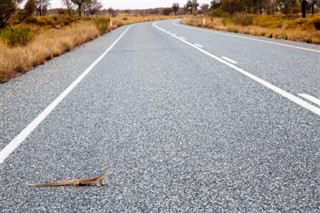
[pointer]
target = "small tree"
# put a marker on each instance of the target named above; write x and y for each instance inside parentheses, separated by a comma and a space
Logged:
(205, 8)
(92, 6)
(195, 4)
(79, 3)
(7, 9)
(232, 6)
(68, 5)
(110, 11)
(189, 7)
(27, 11)
(214, 4)
(42, 6)
(303, 8)
(289, 6)
(175, 8)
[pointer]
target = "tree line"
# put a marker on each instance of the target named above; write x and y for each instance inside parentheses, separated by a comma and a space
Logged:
(251, 6)
(8, 8)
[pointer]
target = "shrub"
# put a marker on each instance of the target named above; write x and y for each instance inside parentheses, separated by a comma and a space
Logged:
(51, 21)
(47, 21)
(219, 13)
(67, 20)
(125, 19)
(226, 21)
(102, 24)
(243, 19)
(31, 20)
(17, 36)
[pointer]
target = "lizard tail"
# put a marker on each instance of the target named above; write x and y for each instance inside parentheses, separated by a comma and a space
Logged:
(35, 184)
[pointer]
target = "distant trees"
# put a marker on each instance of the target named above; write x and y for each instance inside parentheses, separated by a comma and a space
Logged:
(254, 6)
(205, 8)
(68, 5)
(92, 6)
(79, 4)
(42, 6)
(195, 4)
(27, 11)
(175, 8)
(112, 12)
(289, 6)
(7, 9)
(191, 6)
(167, 11)
(214, 4)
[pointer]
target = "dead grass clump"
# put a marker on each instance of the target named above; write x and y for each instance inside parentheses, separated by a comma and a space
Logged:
(50, 43)
(102, 24)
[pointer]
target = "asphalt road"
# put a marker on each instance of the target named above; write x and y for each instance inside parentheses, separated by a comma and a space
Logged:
(191, 120)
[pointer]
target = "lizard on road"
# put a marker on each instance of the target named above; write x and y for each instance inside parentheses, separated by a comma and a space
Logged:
(98, 181)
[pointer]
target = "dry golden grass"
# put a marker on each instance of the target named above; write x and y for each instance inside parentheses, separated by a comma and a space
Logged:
(278, 27)
(124, 19)
(48, 44)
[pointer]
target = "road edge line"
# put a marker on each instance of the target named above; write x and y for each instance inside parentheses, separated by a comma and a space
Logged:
(14, 143)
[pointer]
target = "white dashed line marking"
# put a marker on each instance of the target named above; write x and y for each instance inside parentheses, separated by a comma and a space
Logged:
(268, 85)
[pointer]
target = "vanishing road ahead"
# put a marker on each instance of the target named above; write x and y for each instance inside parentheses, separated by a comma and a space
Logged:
(191, 120)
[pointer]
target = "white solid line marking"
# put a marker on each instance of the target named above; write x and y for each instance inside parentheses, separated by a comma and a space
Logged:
(183, 38)
(26, 131)
(285, 94)
(198, 45)
(248, 38)
(310, 98)
(228, 59)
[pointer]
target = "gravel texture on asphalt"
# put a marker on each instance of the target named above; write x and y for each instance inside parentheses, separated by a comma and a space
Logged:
(183, 132)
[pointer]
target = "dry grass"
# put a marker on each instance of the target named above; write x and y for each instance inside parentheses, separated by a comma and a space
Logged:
(124, 19)
(279, 27)
(50, 43)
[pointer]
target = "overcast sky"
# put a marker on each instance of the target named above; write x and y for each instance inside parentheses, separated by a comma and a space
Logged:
(133, 4)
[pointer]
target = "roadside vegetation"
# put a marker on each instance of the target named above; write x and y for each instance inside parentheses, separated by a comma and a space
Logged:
(273, 26)
(282, 19)
(25, 46)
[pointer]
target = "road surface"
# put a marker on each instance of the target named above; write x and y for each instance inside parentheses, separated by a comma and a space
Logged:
(192, 120)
